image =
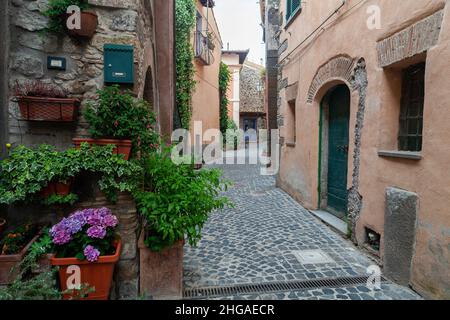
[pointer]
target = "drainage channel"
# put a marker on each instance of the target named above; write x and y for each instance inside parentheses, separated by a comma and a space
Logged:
(275, 287)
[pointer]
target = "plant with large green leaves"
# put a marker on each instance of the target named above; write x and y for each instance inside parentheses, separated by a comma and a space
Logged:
(119, 115)
(27, 171)
(177, 201)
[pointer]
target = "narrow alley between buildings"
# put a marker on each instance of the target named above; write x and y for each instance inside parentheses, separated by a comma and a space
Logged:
(260, 250)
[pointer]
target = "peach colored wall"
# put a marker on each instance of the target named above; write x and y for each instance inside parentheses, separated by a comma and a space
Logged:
(232, 61)
(205, 101)
(347, 33)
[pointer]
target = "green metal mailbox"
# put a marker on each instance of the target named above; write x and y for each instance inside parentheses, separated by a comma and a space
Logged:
(119, 63)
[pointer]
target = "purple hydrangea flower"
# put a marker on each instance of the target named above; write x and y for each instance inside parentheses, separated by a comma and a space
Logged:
(110, 221)
(95, 219)
(98, 222)
(96, 232)
(91, 254)
(61, 237)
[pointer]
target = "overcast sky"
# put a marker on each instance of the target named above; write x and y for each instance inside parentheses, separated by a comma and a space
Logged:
(239, 23)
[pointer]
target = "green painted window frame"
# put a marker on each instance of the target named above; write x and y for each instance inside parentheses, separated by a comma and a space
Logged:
(292, 7)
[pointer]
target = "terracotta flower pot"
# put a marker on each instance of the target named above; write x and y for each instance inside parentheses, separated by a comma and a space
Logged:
(2, 225)
(89, 23)
(97, 275)
(48, 109)
(122, 146)
(58, 188)
(161, 273)
(10, 263)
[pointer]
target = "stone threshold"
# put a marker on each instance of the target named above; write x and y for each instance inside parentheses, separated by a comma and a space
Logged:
(331, 220)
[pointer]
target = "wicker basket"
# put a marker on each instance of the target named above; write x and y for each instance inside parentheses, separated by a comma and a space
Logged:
(48, 109)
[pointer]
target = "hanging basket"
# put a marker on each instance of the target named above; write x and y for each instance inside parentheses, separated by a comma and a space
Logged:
(89, 23)
(48, 109)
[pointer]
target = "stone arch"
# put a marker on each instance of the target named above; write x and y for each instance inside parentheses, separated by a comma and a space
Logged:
(352, 72)
(339, 68)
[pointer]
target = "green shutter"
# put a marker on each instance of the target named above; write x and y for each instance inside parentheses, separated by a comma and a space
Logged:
(291, 8)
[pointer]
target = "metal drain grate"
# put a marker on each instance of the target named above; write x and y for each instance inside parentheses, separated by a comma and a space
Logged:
(246, 289)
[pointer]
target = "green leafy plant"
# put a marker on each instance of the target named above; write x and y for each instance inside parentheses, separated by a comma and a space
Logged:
(42, 287)
(177, 201)
(27, 171)
(224, 82)
(185, 69)
(118, 115)
(57, 13)
(57, 199)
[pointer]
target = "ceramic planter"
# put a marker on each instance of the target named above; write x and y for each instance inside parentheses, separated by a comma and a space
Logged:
(122, 146)
(89, 23)
(9, 264)
(48, 109)
(97, 275)
(2, 225)
(161, 273)
(58, 188)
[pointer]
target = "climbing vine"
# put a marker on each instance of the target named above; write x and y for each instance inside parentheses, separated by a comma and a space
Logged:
(185, 24)
(224, 82)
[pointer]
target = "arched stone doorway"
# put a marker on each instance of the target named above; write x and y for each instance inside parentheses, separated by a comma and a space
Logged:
(334, 150)
(352, 73)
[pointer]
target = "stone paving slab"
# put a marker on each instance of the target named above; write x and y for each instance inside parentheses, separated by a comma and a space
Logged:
(256, 241)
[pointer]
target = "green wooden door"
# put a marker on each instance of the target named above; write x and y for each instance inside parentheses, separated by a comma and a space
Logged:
(338, 135)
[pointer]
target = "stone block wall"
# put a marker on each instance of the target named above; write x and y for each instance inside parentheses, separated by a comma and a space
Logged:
(120, 22)
(251, 99)
(128, 22)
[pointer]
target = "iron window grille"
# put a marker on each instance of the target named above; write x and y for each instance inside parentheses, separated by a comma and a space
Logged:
(412, 105)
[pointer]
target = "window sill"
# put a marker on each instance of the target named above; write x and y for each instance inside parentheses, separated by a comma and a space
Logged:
(291, 19)
(291, 144)
(400, 154)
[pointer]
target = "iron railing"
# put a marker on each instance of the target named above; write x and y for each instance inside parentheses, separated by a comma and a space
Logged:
(203, 49)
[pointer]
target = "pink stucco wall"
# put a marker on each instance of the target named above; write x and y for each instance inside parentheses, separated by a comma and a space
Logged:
(347, 34)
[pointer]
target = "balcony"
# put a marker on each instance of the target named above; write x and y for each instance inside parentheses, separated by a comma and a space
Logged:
(204, 49)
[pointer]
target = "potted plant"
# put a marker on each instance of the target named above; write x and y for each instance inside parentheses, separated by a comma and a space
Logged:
(87, 239)
(119, 119)
(13, 248)
(27, 172)
(210, 39)
(58, 16)
(39, 101)
(175, 206)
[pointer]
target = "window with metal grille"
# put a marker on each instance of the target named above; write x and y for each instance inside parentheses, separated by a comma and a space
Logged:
(411, 113)
(292, 6)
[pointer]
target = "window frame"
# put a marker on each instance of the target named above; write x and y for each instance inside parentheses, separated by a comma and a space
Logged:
(413, 95)
(291, 14)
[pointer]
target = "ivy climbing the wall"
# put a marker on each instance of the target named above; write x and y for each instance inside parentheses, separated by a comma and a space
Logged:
(224, 82)
(185, 24)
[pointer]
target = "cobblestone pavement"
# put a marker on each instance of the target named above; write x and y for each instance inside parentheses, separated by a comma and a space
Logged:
(257, 242)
